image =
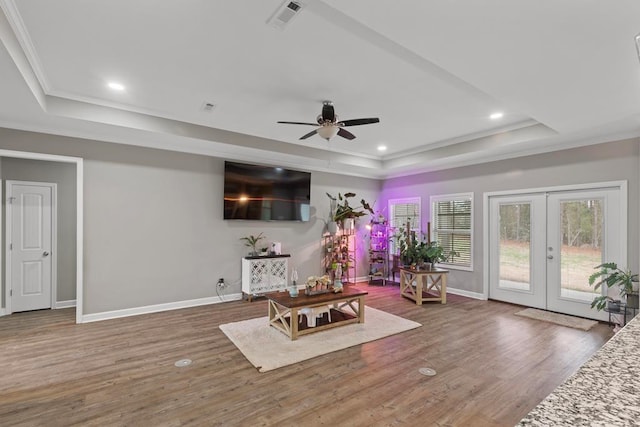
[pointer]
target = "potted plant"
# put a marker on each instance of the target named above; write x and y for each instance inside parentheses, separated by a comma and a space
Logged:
(251, 241)
(611, 275)
(416, 252)
(344, 212)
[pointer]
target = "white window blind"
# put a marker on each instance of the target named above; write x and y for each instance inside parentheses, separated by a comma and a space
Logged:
(402, 211)
(451, 220)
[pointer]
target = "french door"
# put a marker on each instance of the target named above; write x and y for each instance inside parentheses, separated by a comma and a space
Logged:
(544, 245)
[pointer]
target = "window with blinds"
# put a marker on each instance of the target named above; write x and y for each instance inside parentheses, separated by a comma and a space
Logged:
(451, 222)
(402, 211)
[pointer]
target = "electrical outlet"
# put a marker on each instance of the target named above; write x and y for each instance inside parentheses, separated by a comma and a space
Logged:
(221, 283)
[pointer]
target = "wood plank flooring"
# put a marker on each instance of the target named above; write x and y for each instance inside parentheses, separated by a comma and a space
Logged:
(493, 367)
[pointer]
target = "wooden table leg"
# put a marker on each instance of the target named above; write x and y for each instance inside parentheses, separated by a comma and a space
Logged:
(294, 324)
(272, 311)
(420, 285)
(443, 289)
(361, 309)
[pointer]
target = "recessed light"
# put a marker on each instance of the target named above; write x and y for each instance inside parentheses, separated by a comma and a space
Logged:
(116, 86)
(496, 116)
(382, 148)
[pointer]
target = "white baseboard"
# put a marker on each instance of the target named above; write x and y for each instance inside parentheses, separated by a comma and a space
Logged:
(2, 311)
(135, 311)
(65, 304)
(462, 292)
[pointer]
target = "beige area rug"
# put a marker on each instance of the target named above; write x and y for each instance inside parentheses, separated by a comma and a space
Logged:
(558, 319)
(267, 348)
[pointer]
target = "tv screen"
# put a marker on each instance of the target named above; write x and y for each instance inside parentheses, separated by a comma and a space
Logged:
(266, 193)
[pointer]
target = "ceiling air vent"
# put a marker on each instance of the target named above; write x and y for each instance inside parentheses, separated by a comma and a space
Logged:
(284, 14)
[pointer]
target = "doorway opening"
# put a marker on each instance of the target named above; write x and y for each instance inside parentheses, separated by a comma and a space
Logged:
(74, 245)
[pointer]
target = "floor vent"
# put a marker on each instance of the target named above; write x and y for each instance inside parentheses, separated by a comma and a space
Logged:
(427, 372)
(182, 363)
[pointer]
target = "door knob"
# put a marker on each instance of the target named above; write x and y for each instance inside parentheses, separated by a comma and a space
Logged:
(549, 256)
(45, 253)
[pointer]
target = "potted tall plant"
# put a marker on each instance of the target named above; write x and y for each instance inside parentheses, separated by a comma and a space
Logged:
(418, 252)
(610, 275)
(345, 213)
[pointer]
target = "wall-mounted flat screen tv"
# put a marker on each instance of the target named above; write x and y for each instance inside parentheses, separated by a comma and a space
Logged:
(266, 193)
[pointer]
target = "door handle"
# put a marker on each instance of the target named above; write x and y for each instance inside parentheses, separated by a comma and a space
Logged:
(549, 256)
(45, 253)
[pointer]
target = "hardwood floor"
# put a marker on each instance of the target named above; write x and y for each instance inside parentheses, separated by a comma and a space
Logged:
(493, 367)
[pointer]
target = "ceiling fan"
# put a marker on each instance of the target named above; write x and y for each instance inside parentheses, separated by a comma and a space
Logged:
(329, 125)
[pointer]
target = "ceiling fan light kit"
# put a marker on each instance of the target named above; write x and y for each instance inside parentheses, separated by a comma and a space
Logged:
(327, 131)
(329, 125)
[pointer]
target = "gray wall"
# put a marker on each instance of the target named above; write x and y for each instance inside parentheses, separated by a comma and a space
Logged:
(154, 232)
(153, 228)
(597, 163)
(64, 175)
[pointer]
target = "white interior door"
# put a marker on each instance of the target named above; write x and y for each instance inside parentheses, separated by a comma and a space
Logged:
(544, 246)
(517, 257)
(29, 245)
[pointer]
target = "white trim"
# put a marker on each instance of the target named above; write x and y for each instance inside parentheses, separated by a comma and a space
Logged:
(22, 35)
(135, 311)
(79, 239)
(65, 304)
(2, 312)
(79, 210)
(485, 245)
(571, 187)
(465, 293)
(54, 239)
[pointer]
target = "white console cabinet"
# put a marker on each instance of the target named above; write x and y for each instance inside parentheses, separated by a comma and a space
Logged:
(262, 274)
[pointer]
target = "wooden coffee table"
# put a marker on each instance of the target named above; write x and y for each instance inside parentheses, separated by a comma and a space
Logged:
(284, 311)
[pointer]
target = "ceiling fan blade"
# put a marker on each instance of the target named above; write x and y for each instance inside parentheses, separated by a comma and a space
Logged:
(328, 113)
(299, 123)
(346, 134)
(357, 122)
(313, 132)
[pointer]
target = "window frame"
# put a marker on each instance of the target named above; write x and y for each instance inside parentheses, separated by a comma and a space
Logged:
(433, 200)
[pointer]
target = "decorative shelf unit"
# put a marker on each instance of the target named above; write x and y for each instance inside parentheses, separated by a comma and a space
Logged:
(379, 253)
(340, 248)
(262, 274)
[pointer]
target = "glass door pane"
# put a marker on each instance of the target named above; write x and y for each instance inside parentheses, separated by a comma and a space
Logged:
(515, 246)
(516, 249)
(581, 246)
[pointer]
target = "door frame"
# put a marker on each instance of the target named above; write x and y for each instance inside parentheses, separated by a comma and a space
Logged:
(79, 216)
(624, 195)
(54, 240)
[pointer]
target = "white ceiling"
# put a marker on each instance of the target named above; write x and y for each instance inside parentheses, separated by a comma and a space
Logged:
(564, 74)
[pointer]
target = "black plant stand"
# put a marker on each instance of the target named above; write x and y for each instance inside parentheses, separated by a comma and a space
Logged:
(624, 311)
